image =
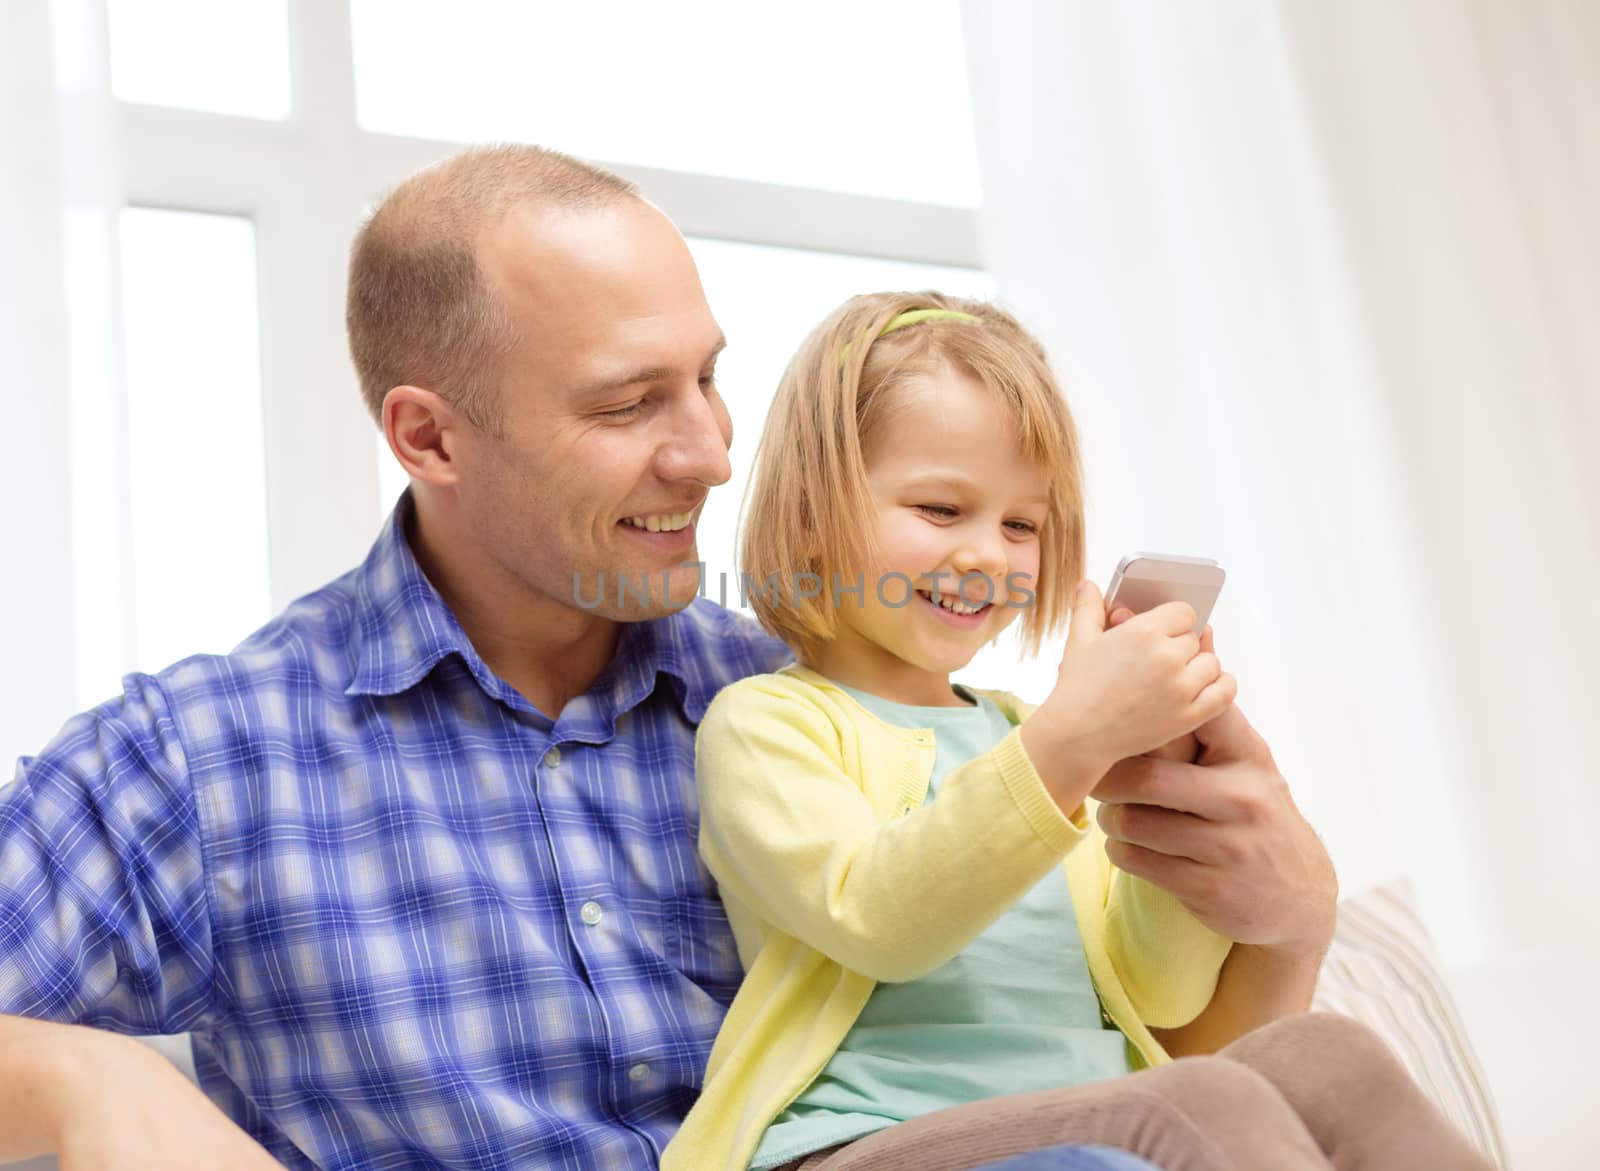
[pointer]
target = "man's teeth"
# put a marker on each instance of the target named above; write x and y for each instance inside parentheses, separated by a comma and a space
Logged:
(954, 605)
(661, 522)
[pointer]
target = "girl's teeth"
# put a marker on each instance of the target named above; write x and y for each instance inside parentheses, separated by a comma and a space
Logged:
(955, 607)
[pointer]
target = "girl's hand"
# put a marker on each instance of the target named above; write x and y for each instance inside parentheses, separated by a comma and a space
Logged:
(1186, 748)
(1123, 692)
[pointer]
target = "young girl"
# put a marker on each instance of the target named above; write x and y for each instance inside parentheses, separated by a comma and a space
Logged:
(942, 966)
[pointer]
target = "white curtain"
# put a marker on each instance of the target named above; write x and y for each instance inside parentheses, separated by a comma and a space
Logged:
(60, 367)
(30, 371)
(1322, 280)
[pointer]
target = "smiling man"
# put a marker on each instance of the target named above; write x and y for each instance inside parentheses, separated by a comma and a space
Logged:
(416, 864)
(564, 500)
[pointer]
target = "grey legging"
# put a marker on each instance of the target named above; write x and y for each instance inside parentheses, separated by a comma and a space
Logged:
(1307, 1093)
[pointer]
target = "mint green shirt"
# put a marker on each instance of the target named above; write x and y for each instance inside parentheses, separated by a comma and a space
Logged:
(1014, 1012)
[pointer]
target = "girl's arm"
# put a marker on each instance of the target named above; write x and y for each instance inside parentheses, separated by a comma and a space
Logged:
(788, 831)
(1167, 960)
(1258, 985)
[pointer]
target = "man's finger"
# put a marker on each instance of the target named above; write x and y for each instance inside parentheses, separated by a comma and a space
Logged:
(1229, 736)
(1171, 784)
(1183, 878)
(1164, 831)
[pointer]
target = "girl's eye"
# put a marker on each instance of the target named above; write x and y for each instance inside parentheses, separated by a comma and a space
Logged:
(1022, 526)
(942, 511)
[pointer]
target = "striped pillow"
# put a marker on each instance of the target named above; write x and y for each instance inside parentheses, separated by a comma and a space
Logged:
(1382, 970)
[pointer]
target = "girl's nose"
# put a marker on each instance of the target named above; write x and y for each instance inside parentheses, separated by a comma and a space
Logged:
(985, 556)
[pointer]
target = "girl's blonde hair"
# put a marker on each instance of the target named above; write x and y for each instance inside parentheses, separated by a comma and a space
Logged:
(807, 508)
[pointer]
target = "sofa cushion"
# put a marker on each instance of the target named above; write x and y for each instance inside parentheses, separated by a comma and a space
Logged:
(1382, 969)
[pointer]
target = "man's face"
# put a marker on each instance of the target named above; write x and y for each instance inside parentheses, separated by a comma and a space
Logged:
(612, 428)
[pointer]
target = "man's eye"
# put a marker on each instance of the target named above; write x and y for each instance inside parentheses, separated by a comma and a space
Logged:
(943, 511)
(708, 381)
(626, 412)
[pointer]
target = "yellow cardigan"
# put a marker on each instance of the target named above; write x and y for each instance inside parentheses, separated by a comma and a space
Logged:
(836, 876)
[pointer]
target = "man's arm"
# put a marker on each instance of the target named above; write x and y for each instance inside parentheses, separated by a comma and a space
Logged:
(104, 920)
(109, 1103)
(1224, 836)
(31, 1054)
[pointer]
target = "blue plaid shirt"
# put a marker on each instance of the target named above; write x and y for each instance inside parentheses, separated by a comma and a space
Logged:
(411, 921)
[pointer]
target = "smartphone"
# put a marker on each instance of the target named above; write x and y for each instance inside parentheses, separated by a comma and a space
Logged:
(1145, 580)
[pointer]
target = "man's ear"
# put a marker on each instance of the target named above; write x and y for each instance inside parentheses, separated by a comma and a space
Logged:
(424, 432)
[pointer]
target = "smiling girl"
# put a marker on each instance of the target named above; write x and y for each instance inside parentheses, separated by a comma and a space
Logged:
(942, 966)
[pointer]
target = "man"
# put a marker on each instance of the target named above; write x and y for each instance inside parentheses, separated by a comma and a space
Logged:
(416, 863)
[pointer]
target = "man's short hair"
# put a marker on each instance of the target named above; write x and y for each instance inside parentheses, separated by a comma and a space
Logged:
(418, 310)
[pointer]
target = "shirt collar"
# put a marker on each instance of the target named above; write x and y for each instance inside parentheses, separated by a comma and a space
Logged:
(404, 629)
(675, 646)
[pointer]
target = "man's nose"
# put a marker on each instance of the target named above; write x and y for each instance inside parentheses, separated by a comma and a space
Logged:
(697, 449)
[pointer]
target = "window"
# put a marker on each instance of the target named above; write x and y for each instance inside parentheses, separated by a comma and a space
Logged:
(834, 94)
(197, 489)
(228, 58)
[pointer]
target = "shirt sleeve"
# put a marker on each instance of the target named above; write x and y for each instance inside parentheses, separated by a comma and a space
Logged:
(104, 918)
(787, 830)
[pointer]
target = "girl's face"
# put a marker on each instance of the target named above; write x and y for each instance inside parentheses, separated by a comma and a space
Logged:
(958, 509)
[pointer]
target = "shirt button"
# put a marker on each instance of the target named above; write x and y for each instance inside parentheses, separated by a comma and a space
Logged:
(591, 913)
(638, 1072)
(552, 758)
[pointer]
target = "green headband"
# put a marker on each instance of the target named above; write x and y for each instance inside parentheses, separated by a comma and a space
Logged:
(914, 317)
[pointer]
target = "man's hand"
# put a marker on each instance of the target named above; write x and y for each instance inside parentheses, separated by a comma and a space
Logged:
(1209, 818)
(1224, 836)
(124, 1107)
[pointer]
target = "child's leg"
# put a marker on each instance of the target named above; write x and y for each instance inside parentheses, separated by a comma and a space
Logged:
(1071, 1157)
(1354, 1096)
(1199, 1114)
